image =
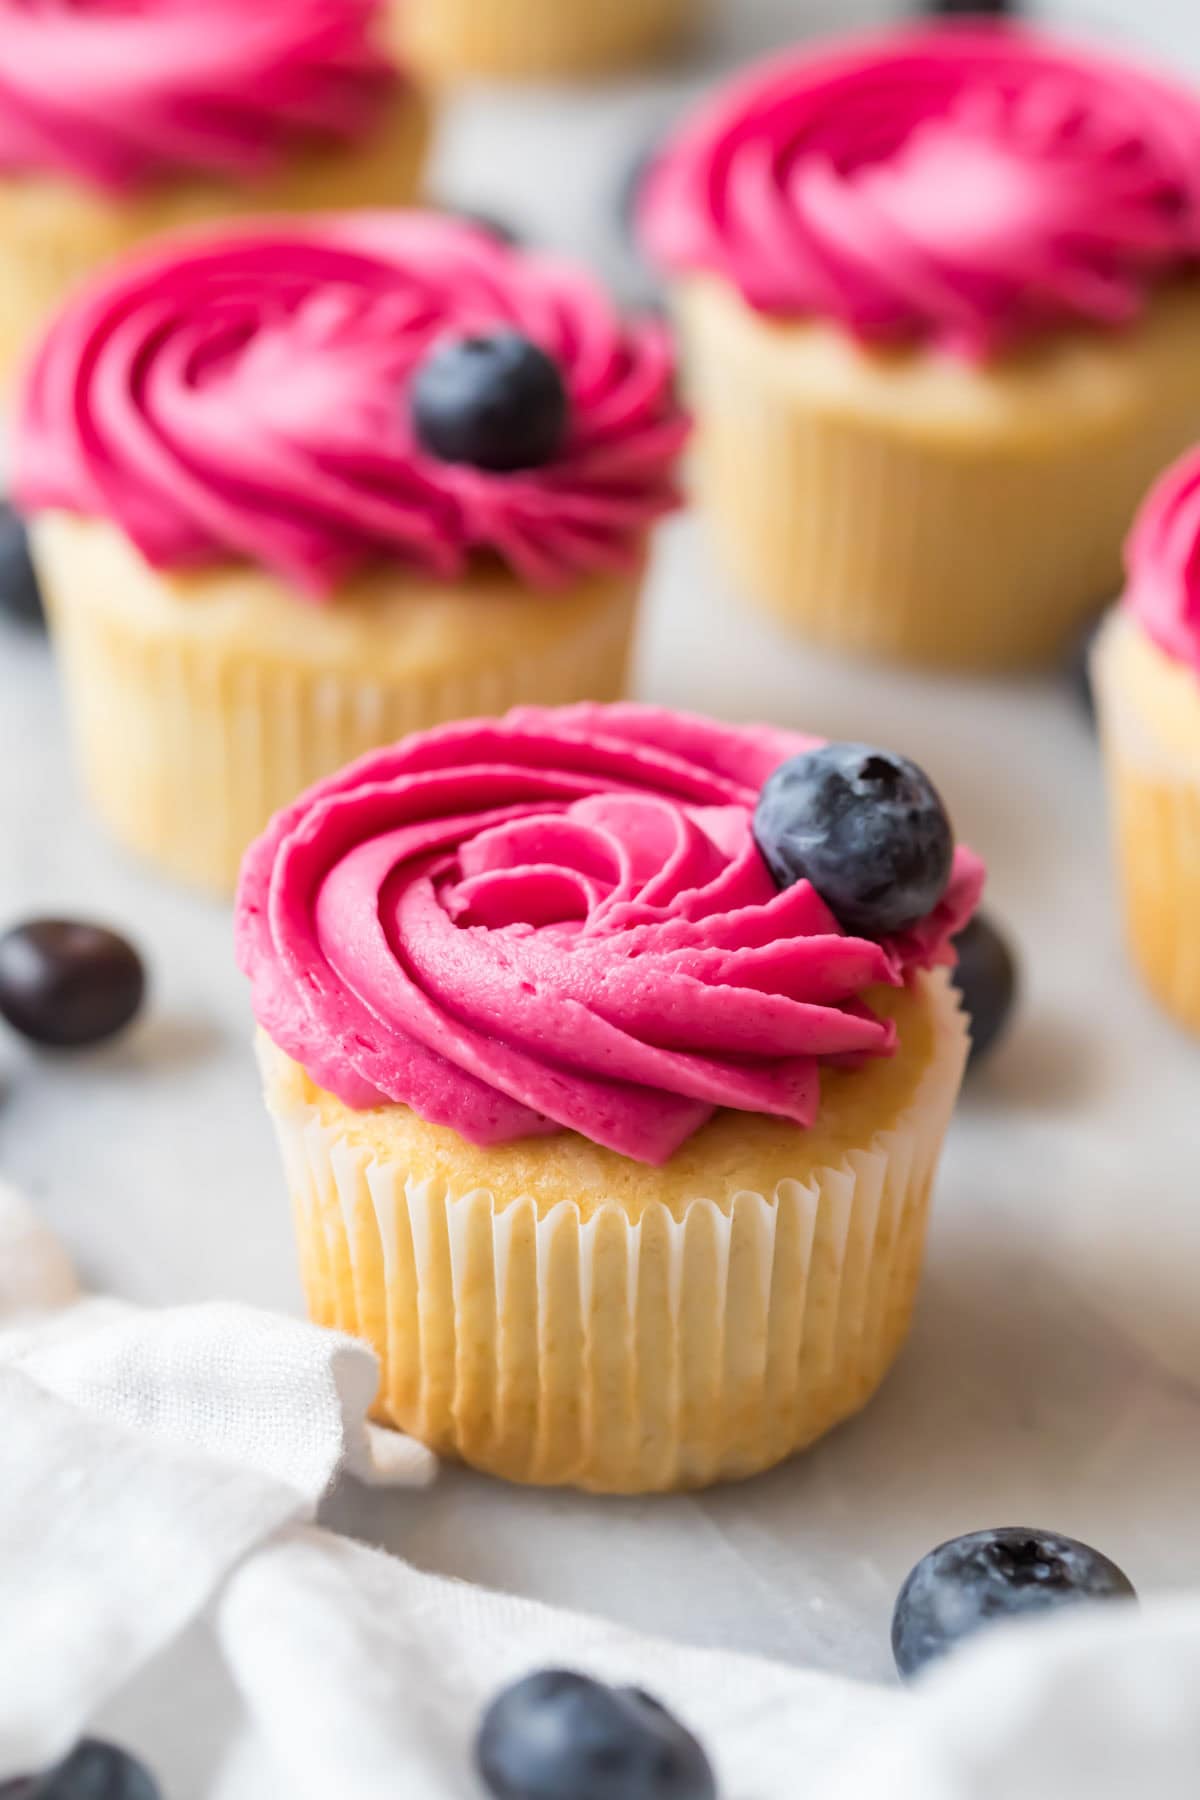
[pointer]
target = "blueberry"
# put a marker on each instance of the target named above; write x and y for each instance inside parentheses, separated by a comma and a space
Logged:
(66, 983)
(1079, 669)
(561, 1736)
(93, 1771)
(483, 219)
(976, 9)
(633, 181)
(20, 596)
(986, 977)
(496, 401)
(973, 1581)
(867, 828)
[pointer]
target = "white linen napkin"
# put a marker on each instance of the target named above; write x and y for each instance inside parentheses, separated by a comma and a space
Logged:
(162, 1472)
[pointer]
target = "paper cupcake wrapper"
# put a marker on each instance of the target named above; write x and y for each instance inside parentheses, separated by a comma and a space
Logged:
(54, 233)
(696, 1344)
(890, 536)
(525, 39)
(187, 748)
(1154, 798)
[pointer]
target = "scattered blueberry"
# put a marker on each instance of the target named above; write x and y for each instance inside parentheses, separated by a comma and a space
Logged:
(561, 1736)
(93, 1771)
(496, 401)
(1079, 669)
(484, 220)
(973, 1581)
(867, 828)
(66, 983)
(986, 977)
(629, 194)
(20, 596)
(976, 9)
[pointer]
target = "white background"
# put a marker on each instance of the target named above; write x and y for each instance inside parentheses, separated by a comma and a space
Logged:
(1054, 1375)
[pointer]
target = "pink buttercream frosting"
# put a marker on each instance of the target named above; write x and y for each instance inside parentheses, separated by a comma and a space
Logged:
(247, 396)
(560, 920)
(968, 186)
(118, 92)
(1163, 563)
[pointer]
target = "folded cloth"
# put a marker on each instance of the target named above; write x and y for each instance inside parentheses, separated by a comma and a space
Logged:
(162, 1472)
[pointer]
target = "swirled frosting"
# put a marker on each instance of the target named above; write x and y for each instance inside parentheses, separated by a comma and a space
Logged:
(968, 187)
(247, 396)
(118, 92)
(561, 920)
(1163, 562)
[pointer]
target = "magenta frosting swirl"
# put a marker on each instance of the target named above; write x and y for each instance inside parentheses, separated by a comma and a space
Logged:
(246, 396)
(561, 920)
(968, 186)
(1163, 562)
(118, 92)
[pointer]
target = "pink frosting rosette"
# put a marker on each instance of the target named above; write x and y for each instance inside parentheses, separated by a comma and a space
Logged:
(118, 92)
(248, 396)
(561, 920)
(967, 187)
(1163, 562)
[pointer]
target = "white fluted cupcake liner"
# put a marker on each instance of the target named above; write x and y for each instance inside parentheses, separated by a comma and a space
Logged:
(1149, 714)
(554, 1344)
(896, 505)
(535, 39)
(189, 739)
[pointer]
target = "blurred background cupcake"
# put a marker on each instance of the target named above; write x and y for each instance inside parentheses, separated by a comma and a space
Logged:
(119, 121)
(942, 317)
(297, 490)
(536, 39)
(1147, 681)
(610, 1053)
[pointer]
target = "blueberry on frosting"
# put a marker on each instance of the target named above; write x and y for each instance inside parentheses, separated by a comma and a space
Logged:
(867, 828)
(493, 400)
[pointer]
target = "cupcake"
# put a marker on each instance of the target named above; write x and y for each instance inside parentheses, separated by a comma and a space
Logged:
(1146, 675)
(117, 122)
(940, 298)
(535, 39)
(601, 1126)
(299, 489)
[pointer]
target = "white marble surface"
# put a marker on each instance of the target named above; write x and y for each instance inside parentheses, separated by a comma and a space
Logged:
(1054, 1375)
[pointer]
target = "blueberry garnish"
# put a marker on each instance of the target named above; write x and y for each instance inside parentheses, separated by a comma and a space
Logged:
(66, 983)
(92, 1771)
(561, 1736)
(20, 596)
(867, 828)
(977, 1580)
(496, 401)
(986, 977)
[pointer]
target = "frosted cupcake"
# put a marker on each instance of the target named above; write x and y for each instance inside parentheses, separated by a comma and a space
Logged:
(301, 489)
(118, 120)
(536, 39)
(940, 297)
(601, 1126)
(1147, 682)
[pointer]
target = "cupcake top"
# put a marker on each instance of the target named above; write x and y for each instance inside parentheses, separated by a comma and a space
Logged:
(314, 396)
(1162, 558)
(966, 187)
(565, 919)
(115, 93)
